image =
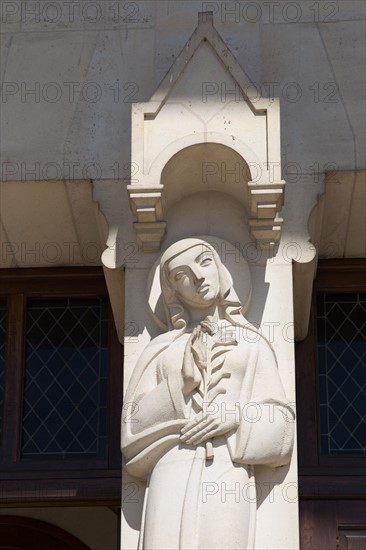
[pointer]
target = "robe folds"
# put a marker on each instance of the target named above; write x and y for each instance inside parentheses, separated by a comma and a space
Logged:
(192, 502)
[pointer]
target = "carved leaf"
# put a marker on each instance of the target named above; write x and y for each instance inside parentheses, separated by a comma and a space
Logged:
(217, 367)
(228, 342)
(217, 391)
(218, 353)
(221, 348)
(216, 379)
(198, 400)
(214, 353)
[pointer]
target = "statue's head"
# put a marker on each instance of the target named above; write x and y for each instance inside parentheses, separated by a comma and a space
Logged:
(192, 276)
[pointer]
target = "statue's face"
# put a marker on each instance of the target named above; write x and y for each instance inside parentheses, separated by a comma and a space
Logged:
(194, 276)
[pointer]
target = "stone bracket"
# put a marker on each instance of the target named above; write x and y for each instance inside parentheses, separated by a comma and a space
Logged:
(150, 235)
(266, 200)
(266, 232)
(147, 205)
(146, 202)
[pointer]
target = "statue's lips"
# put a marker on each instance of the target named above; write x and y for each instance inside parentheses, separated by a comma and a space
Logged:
(203, 289)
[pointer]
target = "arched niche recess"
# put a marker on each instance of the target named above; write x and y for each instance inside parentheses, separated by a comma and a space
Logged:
(205, 167)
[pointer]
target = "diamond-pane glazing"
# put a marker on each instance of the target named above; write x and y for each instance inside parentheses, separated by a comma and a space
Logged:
(65, 386)
(2, 355)
(341, 320)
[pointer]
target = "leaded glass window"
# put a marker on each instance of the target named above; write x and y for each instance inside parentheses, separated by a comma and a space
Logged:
(341, 326)
(65, 384)
(2, 354)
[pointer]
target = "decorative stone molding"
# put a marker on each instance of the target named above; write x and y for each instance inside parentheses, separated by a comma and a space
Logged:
(150, 235)
(266, 232)
(146, 205)
(194, 105)
(266, 201)
(329, 224)
(298, 239)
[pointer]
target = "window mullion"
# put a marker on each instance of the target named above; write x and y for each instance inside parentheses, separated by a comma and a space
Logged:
(13, 380)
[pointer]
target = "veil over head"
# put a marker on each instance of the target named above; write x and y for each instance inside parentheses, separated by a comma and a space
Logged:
(167, 309)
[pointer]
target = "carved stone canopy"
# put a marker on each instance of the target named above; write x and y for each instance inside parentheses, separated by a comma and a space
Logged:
(206, 113)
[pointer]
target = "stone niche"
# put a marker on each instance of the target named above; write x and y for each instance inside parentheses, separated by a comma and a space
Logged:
(206, 164)
(206, 98)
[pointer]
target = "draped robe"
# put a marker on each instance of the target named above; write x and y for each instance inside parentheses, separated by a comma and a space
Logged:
(192, 502)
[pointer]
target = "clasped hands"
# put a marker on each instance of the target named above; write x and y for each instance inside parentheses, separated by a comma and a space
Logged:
(205, 426)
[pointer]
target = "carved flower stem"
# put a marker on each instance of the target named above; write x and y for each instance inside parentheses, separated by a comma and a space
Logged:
(209, 356)
(206, 380)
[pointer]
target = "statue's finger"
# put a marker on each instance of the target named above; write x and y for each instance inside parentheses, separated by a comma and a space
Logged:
(198, 429)
(189, 429)
(191, 424)
(193, 431)
(201, 437)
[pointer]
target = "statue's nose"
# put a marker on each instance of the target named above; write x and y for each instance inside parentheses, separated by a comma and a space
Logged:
(197, 275)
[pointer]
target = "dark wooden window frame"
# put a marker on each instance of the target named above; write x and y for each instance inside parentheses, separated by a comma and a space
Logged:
(46, 481)
(325, 523)
(324, 476)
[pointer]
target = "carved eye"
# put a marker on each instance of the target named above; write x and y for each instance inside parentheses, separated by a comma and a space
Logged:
(206, 261)
(179, 275)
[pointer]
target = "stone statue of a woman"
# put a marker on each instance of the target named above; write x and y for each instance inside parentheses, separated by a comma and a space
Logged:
(200, 398)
